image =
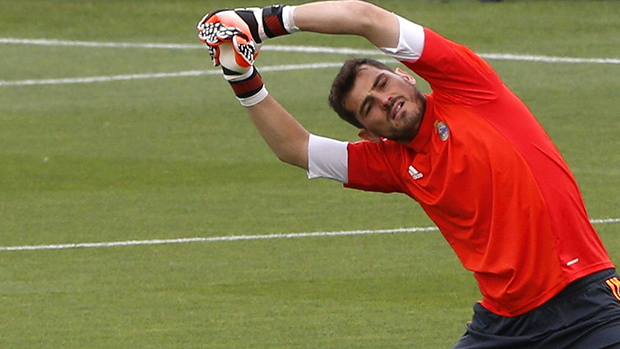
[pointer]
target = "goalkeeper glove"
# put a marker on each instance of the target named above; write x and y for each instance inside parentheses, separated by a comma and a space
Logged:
(232, 47)
(264, 23)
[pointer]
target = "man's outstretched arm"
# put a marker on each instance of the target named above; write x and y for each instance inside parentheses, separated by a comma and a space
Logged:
(377, 25)
(285, 136)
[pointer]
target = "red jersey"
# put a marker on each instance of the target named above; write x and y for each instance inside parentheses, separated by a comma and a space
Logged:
(487, 174)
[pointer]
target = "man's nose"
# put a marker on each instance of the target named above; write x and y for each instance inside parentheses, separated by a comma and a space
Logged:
(383, 98)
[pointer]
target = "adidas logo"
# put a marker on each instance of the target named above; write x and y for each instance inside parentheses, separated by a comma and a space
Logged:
(415, 174)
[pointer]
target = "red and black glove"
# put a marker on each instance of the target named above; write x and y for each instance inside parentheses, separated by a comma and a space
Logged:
(268, 22)
(231, 46)
(265, 23)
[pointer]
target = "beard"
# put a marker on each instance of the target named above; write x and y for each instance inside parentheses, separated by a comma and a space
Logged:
(408, 125)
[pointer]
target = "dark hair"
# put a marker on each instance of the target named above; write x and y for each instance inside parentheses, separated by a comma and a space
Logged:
(343, 83)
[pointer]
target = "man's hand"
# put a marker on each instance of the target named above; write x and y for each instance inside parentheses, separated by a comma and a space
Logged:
(225, 26)
(263, 23)
(232, 47)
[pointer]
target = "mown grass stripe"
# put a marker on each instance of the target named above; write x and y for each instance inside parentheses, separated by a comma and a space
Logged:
(239, 238)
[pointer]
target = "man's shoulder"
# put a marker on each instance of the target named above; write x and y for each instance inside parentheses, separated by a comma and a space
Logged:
(385, 149)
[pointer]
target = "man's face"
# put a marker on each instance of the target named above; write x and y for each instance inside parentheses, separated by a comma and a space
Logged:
(387, 104)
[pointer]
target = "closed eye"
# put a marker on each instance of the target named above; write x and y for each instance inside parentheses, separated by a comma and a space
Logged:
(382, 84)
(369, 106)
(379, 84)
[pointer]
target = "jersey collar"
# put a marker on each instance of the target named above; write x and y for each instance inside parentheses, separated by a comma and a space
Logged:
(418, 143)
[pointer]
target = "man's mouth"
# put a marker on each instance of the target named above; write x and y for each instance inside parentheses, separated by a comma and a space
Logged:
(395, 109)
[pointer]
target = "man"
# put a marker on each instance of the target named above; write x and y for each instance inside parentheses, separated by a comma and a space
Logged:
(470, 153)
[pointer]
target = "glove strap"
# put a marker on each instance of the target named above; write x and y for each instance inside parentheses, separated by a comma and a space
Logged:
(248, 88)
(278, 20)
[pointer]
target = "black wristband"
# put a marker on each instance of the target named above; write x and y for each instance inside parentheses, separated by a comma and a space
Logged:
(248, 87)
(273, 24)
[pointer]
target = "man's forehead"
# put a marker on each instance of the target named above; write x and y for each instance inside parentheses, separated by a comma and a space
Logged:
(369, 71)
(364, 80)
(366, 75)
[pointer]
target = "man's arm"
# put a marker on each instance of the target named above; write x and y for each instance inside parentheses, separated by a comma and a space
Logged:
(286, 137)
(377, 25)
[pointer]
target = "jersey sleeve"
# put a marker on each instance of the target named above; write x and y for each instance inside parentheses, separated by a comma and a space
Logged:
(360, 165)
(410, 42)
(374, 166)
(454, 72)
(327, 158)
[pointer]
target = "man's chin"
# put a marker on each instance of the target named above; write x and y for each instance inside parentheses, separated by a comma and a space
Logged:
(405, 132)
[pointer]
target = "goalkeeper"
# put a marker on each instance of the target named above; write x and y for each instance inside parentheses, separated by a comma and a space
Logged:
(470, 153)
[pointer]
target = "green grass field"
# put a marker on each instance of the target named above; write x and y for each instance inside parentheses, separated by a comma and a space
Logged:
(171, 158)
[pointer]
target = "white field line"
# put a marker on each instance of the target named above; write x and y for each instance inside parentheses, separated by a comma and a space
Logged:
(52, 42)
(215, 239)
(301, 49)
(274, 48)
(547, 59)
(239, 238)
(304, 49)
(90, 79)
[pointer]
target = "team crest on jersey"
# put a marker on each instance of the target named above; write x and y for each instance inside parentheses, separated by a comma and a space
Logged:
(442, 130)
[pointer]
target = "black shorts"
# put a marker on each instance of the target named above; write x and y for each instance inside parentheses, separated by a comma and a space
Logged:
(585, 315)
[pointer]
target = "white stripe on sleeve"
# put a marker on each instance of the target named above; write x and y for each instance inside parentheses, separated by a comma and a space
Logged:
(410, 42)
(327, 158)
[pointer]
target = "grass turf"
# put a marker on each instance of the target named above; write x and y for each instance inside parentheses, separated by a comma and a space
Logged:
(176, 157)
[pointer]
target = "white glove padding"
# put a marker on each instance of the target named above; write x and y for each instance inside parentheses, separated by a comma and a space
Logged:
(246, 82)
(219, 27)
(231, 47)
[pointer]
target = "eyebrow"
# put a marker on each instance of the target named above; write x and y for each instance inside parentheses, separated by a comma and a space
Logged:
(368, 97)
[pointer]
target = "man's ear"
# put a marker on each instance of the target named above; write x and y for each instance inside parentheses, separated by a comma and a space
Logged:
(368, 136)
(405, 76)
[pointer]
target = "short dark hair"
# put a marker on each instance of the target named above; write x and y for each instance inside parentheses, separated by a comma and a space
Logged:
(343, 83)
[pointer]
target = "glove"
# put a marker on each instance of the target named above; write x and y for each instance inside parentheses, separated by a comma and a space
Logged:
(231, 46)
(265, 23)
(223, 26)
(269, 22)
